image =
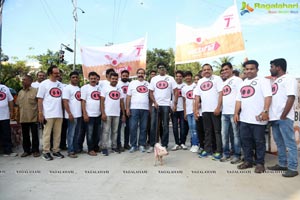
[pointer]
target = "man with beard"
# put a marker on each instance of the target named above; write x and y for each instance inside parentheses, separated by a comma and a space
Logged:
(282, 117)
(50, 109)
(40, 77)
(137, 109)
(112, 103)
(123, 84)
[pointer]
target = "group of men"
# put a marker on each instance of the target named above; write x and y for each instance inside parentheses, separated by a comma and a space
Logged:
(217, 112)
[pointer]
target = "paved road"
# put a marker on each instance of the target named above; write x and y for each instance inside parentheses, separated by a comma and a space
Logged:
(134, 176)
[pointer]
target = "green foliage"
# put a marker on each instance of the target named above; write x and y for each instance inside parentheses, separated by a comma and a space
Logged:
(160, 55)
(194, 67)
(11, 74)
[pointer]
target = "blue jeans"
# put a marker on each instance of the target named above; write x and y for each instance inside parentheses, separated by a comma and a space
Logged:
(74, 128)
(5, 136)
(138, 116)
(193, 129)
(179, 116)
(93, 133)
(253, 135)
(227, 120)
(284, 137)
(160, 114)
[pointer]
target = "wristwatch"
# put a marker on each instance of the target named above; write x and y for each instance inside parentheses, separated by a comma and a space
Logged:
(265, 111)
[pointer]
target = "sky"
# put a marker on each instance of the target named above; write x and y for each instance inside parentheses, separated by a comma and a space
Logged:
(30, 27)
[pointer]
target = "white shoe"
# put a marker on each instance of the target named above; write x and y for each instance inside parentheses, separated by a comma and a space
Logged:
(176, 147)
(150, 150)
(192, 148)
(195, 149)
(184, 147)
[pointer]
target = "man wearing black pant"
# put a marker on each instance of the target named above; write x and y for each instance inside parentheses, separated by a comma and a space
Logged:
(28, 111)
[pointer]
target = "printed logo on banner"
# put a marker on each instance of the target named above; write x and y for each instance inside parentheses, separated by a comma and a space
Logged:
(246, 8)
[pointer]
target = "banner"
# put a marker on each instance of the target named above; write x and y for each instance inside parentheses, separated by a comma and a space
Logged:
(222, 38)
(127, 56)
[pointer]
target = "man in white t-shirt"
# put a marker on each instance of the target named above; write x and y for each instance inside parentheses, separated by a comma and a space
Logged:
(282, 115)
(178, 115)
(137, 109)
(41, 76)
(230, 90)
(112, 102)
(73, 113)
(188, 101)
(161, 88)
(123, 84)
(252, 111)
(6, 108)
(50, 109)
(209, 90)
(90, 103)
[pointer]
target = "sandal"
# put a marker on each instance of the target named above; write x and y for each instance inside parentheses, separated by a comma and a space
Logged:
(245, 165)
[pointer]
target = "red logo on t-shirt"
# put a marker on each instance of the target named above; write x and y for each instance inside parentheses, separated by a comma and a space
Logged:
(95, 95)
(207, 85)
(2, 96)
(226, 90)
(114, 95)
(179, 93)
(125, 88)
(274, 88)
(162, 84)
(142, 89)
(247, 91)
(189, 94)
(77, 95)
(55, 92)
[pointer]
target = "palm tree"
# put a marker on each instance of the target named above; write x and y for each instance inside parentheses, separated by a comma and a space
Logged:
(217, 64)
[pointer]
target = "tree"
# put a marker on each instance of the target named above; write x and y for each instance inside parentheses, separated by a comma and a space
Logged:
(193, 67)
(160, 55)
(217, 64)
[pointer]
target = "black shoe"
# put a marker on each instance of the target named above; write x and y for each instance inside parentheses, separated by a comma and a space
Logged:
(277, 168)
(245, 165)
(117, 150)
(58, 155)
(259, 168)
(64, 147)
(290, 173)
(127, 146)
(105, 152)
(47, 156)
(25, 154)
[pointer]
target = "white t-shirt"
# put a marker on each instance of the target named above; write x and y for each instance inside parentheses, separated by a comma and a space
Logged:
(208, 89)
(72, 93)
(51, 93)
(91, 94)
(35, 84)
(124, 87)
(180, 96)
(103, 83)
(252, 95)
(282, 87)
(5, 97)
(230, 91)
(113, 96)
(162, 87)
(188, 93)
(139, 92)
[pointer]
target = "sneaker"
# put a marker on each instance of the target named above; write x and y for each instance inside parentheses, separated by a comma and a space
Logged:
(194, 149)
(217, 156)
(132, 149)
(72, 155)
(290, 173)
(277, 168)
(183, 147)
(47, 156)
(58, 155)
(12, 154)
(150, 150)
(142, 149)
(105, 152)
(259, 168)
(176, 147)
(204, 154)
(225, 159)
(200, 150)
(92, 153)
(25, 154)
(236, 160)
